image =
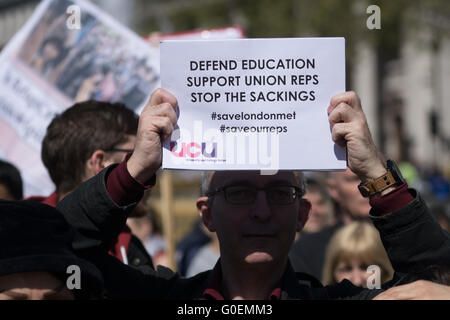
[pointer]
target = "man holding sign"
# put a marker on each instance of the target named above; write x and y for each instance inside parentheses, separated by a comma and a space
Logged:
(255, 217)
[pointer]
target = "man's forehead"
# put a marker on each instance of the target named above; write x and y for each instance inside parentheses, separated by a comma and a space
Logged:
(221, 178)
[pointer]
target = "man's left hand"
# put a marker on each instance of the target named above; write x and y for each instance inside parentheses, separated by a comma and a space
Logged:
(349, 128)
(418, 290)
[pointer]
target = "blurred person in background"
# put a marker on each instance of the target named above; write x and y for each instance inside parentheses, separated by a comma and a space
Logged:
(308, 252)
(205, 258)
(11, 185)
(189, 245)
(441, 211)
(412, 175)
(351, 251)
(321, 213)
(439, 186)
(148, 229)
(78, 144)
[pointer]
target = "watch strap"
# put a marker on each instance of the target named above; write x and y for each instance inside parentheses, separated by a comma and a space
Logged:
(377, 185)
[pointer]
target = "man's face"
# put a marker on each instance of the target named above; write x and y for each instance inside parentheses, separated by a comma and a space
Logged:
(258, 232)
(343, 187)
(33, 286)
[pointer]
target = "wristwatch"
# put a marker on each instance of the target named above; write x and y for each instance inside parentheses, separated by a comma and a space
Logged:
(393, 177)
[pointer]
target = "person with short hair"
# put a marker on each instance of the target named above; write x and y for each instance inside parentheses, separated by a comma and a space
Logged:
(254, 216)
(84, 139)
(78, 144)
(351, 251)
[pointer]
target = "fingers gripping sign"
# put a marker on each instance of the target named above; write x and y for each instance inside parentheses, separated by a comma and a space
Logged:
(349, 128)
(156, 124)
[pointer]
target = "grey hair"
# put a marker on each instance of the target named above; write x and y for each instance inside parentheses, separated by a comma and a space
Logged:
(206, 181)
(207, 178)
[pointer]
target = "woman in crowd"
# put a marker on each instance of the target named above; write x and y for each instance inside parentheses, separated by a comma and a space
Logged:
(351, 251)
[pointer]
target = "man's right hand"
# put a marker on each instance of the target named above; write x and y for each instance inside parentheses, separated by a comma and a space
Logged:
(156, 124)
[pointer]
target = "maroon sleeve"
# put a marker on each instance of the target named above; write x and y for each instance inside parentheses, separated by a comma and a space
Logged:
(392, 201)
(123, 188)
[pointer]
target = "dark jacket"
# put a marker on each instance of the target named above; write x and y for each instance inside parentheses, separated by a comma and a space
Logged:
(412, 238)
(137, 255)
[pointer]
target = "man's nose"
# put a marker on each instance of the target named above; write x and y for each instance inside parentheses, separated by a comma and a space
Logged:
(261, 209)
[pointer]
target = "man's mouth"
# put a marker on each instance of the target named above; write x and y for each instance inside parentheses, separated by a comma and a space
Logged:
(259, 235)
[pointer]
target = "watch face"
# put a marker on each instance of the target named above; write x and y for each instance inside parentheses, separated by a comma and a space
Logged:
(396, 173)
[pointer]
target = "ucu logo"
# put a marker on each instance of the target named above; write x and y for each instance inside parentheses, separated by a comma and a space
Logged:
(193, 150)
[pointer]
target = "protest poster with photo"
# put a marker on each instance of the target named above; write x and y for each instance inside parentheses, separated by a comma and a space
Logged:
(68, 51)
(253, 104)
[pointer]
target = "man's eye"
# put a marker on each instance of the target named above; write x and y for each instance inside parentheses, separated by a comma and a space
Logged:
(281, 192)
(239, 193)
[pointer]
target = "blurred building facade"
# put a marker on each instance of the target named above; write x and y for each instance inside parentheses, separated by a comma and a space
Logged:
(415, 93)
(13, 15)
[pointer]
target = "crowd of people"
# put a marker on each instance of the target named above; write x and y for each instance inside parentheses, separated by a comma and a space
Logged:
(291, 235)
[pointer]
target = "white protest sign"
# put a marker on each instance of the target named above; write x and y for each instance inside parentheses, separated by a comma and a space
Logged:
(253, 104)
